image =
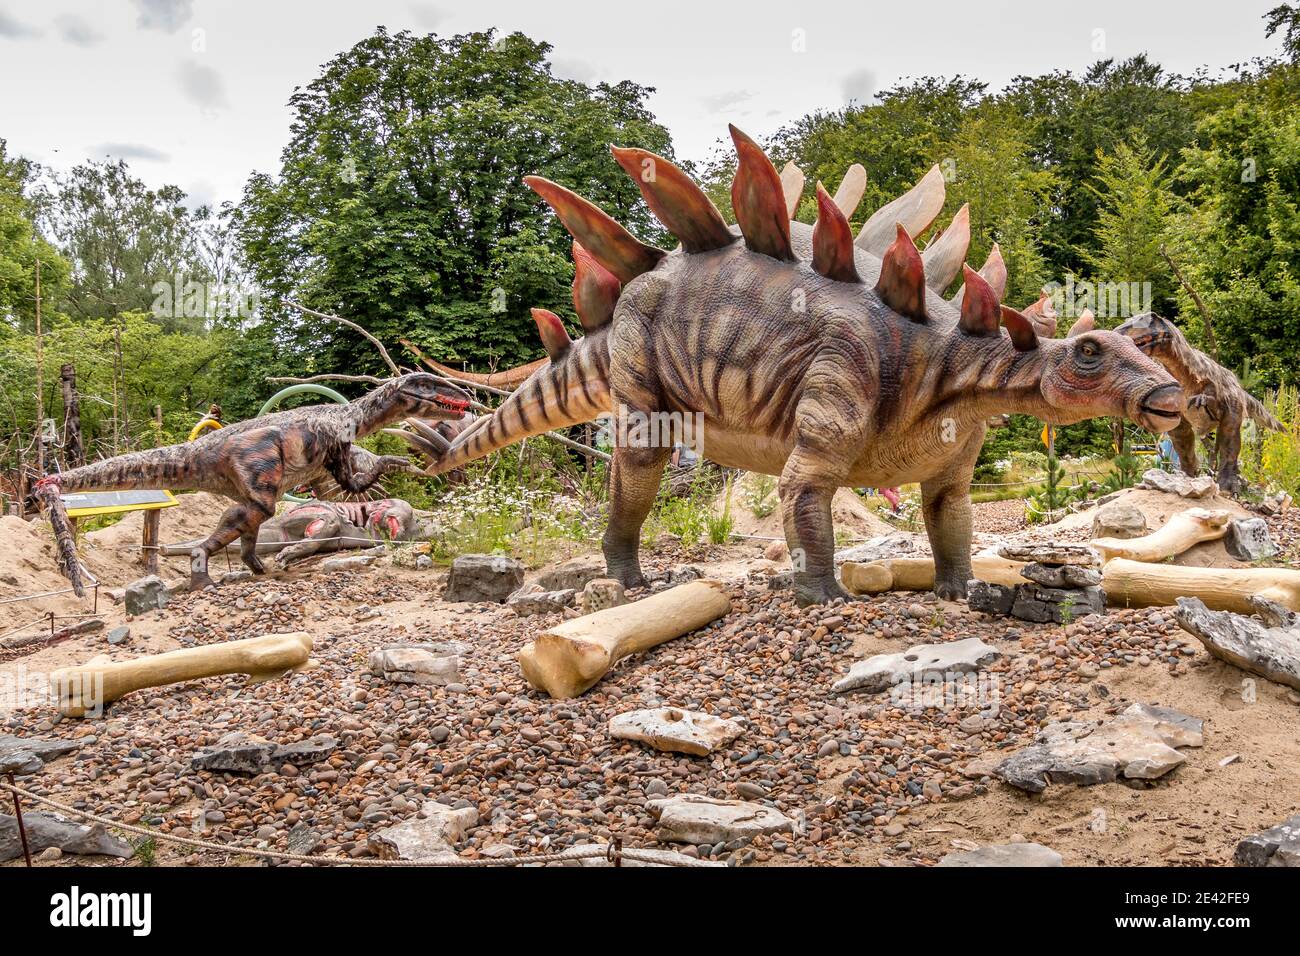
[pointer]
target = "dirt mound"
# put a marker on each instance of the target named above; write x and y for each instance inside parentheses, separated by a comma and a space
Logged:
(849, 512)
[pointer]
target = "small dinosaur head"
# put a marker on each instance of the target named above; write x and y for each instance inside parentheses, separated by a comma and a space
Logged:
(1155, 335)
(429, 396)
(1093, 372)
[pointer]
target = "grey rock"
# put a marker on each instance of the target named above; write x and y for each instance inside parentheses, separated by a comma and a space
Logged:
(1119, 520)
(1059, 605)
(1061, 575)
(920, 664)
(692, 818)
(1050, 552)
(146, 594)
(238, 752)
(525, 602)
(989, 598)
(303, 839)
(423, 562)
(674, 729)
(573, 574)
(1176, 483)
(22, 755)
(431, 664)
(877, 549)
(1276, 846)
(781, 581)
(119, 635)
(1270, 649)
(353, 562)
(682, 574)
(1005, 854)
(1248, 540)
(483, 577)
(45, 831)
(430, 837)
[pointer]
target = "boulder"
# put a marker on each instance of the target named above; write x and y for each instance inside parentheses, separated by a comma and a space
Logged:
(1276, 846)
(483, 577)
(146, 594)
(1057, 605)
(692, 818)
(1119, 519)
(1049, 552)
(919, 664)
(22, 755)
(430, 837)
(238, 752)
(1270, 649)
(600, 594)
(119, 635)
(1061, 575)
(1176, 483)
(573, 574)
(45, 831)
(1005, 854)
(1139, 744)
(525, 602)
(673, 729)
(989, 598)
(435, 665)
(1248, 540)
(877, 549)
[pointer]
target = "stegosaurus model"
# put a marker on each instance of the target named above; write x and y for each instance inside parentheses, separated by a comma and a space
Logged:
(1217, 401)
(256, 461)
(807, 356)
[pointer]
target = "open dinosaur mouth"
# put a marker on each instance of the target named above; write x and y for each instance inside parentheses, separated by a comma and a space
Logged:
(451, 404)
(1163, 407)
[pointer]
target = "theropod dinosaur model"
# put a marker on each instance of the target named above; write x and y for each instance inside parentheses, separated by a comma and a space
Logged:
(807, 356)
(255, 461)
(1216, 400)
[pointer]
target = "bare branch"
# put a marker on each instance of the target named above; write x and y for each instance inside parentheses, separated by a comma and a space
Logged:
(388, 359)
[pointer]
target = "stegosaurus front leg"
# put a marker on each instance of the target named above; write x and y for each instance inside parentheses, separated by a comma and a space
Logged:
(946, 508)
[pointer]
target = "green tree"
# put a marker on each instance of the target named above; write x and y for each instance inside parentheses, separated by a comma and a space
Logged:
(399, 200)
(21, 245)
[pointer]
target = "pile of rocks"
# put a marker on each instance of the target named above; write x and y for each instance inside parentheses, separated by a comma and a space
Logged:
(1064, 584)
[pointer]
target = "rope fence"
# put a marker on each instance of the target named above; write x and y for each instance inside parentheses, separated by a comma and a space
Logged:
(614, 851)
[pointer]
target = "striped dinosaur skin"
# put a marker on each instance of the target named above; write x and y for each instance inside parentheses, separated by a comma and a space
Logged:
(256, 461)
(1217, 402)
(808, 357)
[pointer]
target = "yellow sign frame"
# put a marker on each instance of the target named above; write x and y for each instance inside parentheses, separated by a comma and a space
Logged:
(171, 502)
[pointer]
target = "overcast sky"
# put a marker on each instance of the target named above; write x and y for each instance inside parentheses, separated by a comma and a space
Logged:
(193, 92)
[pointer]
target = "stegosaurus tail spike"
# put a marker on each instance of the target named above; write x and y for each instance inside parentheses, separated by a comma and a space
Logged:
(902, 278)
(994, 272)
(832, 241)
(595, 289)
(852, 186)
(759, 201)
(1020, 328)
(1086, 322)
(915, 209)
(944, 257)
(609, 243)
(792, 183)
(555, 337)
(676, 200)
(980, 311)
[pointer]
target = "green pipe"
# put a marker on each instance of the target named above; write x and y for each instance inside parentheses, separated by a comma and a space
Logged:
(305, 388)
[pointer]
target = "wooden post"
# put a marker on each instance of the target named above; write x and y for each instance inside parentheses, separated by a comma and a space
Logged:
(149, 541)
(40, 380)
(117, 372)
(72, 449)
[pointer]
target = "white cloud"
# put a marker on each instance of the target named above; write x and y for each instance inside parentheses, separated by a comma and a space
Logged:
(166, 15)
(138, 151)
(858, 87)
(202, 85)
(76, 30)
(16, 29)
(726, 101)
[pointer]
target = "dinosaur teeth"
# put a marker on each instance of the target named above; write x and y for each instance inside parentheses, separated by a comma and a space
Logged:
(758, 201)
(902, 278)
(833, 241)
(676, 200)
(609, 243)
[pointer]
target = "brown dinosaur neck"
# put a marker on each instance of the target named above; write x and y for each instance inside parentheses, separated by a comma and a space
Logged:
(377, 409)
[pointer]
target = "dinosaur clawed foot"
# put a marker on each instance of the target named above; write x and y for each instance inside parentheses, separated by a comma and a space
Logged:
(819, 591)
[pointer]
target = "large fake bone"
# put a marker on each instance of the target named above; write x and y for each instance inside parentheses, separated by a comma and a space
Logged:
(1138, 584)
(917, 574)
(85, 689)
(1179, 533)
(570, 657)
(1271, 649)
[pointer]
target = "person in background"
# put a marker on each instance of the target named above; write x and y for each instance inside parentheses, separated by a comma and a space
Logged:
(209, 422)
(891, 495)
(1168, 454)
(684, 456)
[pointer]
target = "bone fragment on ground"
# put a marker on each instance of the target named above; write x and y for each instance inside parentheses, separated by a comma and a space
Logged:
(1270, 649)
(431, 664)
(1139, 584)
(917, 574)
(674, 729)
(102, 681)
(1180, 532)
(569, 658)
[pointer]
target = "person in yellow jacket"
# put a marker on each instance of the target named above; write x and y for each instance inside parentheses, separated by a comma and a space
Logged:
(210, 421)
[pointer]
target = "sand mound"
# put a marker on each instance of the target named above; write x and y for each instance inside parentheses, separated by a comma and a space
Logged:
(847, 509)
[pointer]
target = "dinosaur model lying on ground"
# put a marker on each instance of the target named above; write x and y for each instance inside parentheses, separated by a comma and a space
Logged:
(255, 461)
(807, 355)
(1216, 401)
(324, 526)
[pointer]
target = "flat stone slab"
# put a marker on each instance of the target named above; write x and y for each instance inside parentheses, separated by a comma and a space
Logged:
(431, 664)
(1270, 649)
(1050, 553)
(1137, 745)
(1040, 604)
(572, 575)
(877, 549)
(45, 830)
(692, 818)
(1276, 846)
(1061, 575)
(673, 729)
(1005, 854)
(1176, 483)
(353, 562)
(237, 752)
(429, 837)
(917, 664)
(526, 603)
(483, 577)
(21, 755)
